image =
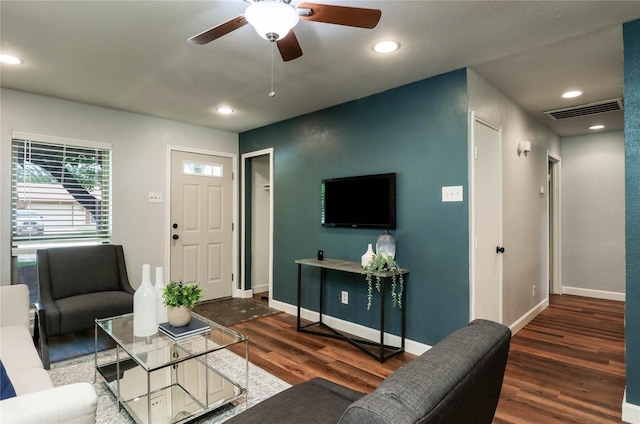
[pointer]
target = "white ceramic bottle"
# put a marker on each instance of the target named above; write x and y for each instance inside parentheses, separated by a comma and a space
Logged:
(162, 310)
(366, 258)
(145, 306)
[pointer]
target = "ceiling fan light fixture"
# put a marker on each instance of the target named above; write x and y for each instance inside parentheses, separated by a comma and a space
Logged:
(271, 19)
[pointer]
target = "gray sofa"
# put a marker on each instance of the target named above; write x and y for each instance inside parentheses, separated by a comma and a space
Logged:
(457, 381)
(78, 285)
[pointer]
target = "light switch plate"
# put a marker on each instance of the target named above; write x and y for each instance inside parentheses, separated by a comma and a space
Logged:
(452, 194)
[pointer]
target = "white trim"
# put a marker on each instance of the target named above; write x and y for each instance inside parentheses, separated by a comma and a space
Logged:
(473, 118)
(234, 240)
(630, 412)
(243, 218)
(598, 294)
(411, 346)
(528, 317)
(59, 140)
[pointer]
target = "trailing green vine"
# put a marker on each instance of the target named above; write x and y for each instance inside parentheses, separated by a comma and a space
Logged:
(384, 263)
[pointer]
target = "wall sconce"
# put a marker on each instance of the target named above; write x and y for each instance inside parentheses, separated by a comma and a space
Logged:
(524, 147)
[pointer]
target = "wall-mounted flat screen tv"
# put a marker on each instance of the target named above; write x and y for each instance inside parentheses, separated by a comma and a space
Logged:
(367, 201)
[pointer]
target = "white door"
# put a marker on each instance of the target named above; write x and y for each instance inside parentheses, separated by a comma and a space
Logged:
(487, 223)
(202, 222)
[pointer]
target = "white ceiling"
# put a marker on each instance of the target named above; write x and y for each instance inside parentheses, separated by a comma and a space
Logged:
(133, 56)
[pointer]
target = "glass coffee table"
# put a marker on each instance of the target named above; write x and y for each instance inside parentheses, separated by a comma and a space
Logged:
(158, 379)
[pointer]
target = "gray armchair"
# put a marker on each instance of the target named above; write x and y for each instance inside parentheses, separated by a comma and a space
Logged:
(78, 285)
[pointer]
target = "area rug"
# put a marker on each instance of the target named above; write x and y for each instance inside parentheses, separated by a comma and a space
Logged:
(261, 386)
(232, 311)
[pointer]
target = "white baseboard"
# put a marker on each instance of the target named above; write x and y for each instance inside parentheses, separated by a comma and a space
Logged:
(598, 294)
(245, 294)
(526, 318)
(630, 412)
(261, 288)
(410, 346)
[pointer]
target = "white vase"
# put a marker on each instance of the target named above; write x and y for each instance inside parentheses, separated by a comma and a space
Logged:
(179, 316)
(368, 255)
(162, 310)
(145, 306)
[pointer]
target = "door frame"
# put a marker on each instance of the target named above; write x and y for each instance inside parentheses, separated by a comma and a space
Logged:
(473, 118)
(243, 292)
(234, 213)
(556, 241)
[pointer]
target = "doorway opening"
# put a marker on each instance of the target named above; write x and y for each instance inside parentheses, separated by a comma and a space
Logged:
(553, 224)
(256, 250)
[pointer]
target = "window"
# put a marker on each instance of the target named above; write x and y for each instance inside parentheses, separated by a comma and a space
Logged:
(202, 169)
(61, 194)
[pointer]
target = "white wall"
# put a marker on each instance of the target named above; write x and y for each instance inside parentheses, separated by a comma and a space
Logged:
(139, 149)
(593, 238)
(525, 209)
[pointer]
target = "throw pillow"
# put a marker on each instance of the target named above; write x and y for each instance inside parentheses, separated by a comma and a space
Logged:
(6, 388)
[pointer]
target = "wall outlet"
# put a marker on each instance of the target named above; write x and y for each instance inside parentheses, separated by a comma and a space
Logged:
(155, 197)
(533, 291)
(345, 297)
(157, 402)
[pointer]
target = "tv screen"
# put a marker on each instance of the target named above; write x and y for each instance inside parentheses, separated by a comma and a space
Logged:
(367, 201)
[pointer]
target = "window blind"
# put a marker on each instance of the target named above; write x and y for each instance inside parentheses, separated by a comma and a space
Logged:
(61, 192)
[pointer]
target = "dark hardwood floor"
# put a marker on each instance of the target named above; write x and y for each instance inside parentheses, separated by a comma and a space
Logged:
(565, 366)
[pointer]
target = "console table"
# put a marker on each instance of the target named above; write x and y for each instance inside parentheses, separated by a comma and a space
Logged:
(354, 268)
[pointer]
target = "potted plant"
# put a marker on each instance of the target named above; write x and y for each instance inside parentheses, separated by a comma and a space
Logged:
(179, 298)
(379, 263)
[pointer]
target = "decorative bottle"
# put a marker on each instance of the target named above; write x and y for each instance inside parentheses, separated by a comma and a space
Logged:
(162, 310)
(368, 255)
(145, 306)
(386, 244)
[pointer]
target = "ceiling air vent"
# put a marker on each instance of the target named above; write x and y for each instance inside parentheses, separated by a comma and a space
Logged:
(585, 110)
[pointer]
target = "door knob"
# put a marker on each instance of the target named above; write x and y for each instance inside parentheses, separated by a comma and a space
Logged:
(499, 249)
(176, 237)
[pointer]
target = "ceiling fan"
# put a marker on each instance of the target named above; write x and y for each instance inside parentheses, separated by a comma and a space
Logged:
(274, 20)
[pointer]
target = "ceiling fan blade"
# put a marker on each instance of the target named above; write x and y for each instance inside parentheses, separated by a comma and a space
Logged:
(289, 47)
(218, 31)
(342, 15)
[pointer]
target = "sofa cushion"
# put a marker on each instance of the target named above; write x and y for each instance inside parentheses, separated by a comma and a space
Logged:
(78, 313)
(17, 350)
(458, 380)
(6, 388)
(30, 381)
(316, 401)
(71, 265)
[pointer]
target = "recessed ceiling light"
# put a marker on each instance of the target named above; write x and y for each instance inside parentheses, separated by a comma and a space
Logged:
(12, 60)
(572, 94)
(596, 127)
(386, 46)
(225, 110)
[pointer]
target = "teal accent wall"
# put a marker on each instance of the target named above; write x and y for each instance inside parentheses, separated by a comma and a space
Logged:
(420, 132)
(631, 35)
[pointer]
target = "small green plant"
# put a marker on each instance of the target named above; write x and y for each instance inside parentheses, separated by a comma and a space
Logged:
(384, 263)
(178, 294)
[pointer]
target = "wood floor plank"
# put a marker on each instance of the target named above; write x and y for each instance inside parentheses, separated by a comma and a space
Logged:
(565, 366)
